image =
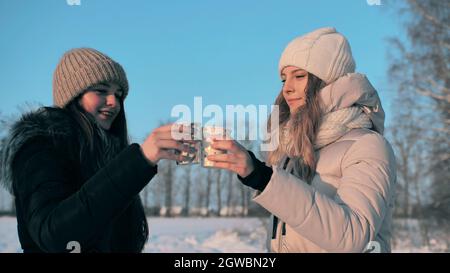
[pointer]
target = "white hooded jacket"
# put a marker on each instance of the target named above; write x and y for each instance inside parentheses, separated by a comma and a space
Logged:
(350, 201)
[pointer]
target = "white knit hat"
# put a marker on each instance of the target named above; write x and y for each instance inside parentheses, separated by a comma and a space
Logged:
(323, 52)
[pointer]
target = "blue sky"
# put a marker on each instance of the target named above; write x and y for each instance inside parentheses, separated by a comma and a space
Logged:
(227, 52)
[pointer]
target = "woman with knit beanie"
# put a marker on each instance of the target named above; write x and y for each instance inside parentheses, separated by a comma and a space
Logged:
(332, 178)
(75, 177)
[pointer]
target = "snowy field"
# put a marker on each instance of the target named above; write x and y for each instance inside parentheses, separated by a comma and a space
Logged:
(233, 235)
(171, 235)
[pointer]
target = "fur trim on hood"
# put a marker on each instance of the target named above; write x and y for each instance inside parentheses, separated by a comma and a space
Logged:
(52, 123)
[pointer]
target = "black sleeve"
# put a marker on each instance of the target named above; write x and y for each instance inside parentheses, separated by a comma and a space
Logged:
(260, 177)
(56, 214)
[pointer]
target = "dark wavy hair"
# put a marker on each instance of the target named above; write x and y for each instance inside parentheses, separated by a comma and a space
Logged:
(97, 148)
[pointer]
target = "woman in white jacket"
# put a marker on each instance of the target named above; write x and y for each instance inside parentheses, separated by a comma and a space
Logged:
(332, 178)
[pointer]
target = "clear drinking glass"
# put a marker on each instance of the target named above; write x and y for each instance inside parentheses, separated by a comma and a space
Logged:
(192, 140)
(210, 133)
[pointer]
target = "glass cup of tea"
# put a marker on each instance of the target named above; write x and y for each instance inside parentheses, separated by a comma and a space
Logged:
(190, 137)
(209, 134)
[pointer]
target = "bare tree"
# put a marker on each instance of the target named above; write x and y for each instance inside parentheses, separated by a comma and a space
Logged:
(209, 180)
(244, 199)
(410, 139)
(9, 204)
(246, 191)
(144, 196)
(419, 175)
(199, 189)
(229, 193)
(157, 190)
(168, 191)
(419, 72)
(219, 191)
(407, 138)
(187, 190)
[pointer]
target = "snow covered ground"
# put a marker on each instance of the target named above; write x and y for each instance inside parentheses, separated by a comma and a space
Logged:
(171, 235)
(409, 237)
(234, 235)
(206, 235)
(9, 242)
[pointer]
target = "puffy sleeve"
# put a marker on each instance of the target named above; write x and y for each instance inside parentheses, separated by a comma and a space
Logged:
(56, 213)
(347, 222)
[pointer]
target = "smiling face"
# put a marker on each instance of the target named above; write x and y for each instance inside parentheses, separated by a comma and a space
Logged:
(102, 101)
(294, 86)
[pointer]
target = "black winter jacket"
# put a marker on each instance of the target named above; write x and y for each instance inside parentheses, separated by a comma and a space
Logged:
(55, 205)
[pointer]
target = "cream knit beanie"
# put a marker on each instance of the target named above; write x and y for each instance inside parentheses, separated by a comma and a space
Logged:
(81, 68)
(323, 52)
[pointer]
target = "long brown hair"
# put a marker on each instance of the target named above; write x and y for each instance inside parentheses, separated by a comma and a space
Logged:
(305, 123)
(97, 148)
(88, 126)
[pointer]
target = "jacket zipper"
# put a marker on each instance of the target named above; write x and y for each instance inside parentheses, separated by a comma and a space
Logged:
(274, 227)
(280, 237)
(282, 230)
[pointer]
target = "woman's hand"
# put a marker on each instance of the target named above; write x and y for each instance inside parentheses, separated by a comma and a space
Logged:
(237, 159)
(160, 144)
